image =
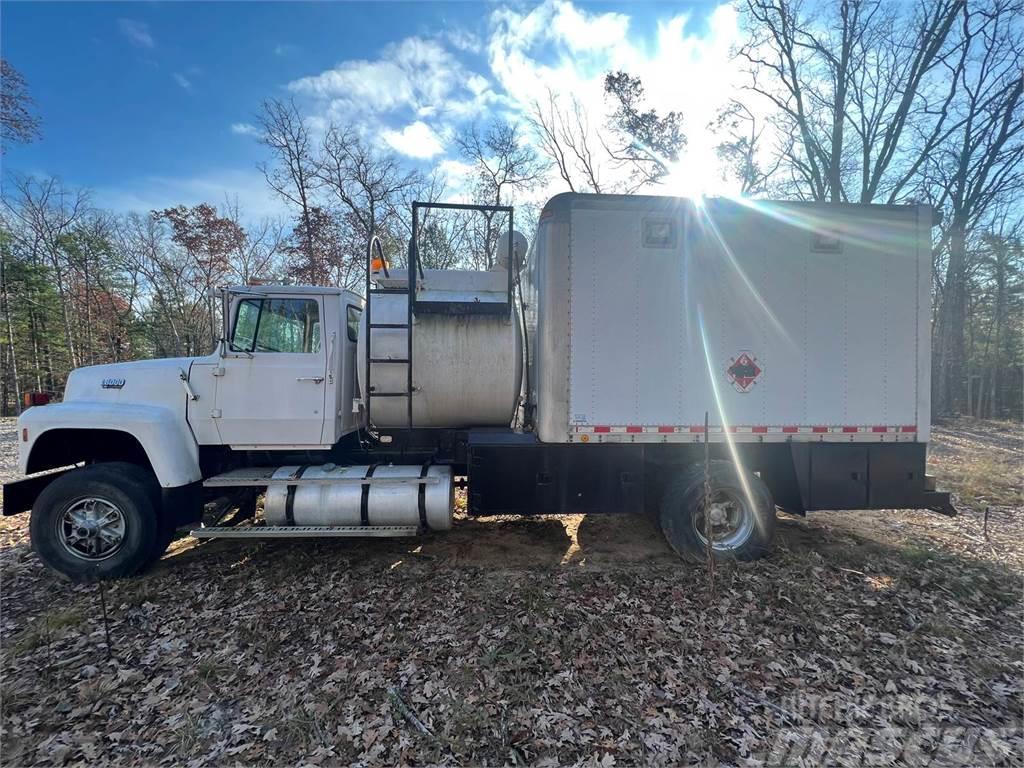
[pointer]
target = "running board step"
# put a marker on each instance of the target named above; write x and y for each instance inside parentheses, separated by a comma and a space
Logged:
(307, 531)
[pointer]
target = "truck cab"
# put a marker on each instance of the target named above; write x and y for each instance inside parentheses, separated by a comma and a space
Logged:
(283, 376)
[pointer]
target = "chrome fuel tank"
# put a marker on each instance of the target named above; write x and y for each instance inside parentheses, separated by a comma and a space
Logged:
(331, 495)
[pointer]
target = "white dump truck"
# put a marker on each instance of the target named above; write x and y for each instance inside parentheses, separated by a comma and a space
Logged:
(573, 376)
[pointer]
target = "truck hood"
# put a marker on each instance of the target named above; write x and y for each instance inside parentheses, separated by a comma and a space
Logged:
(148, 382)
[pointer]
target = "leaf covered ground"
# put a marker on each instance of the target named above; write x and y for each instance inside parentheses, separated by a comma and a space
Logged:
(890, 637)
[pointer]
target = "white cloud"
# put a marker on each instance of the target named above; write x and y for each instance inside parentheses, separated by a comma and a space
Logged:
(477, 84)
(464, 40)
(583, 32)
(416, 140)
(411, 73)
(157, 192)
(284, 49)
(137, 32)
(429, 86)
(183, 81)
(458, 177)
(569, 50)
(244, 129)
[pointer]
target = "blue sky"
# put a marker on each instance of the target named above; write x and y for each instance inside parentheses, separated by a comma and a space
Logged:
(150, 104)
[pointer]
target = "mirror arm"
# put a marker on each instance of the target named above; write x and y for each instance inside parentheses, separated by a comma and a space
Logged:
(225, 306)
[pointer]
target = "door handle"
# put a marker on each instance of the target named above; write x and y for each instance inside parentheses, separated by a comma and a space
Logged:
(314, 379)
(330, 360)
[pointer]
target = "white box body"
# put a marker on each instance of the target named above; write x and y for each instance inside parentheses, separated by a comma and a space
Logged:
(782, 321)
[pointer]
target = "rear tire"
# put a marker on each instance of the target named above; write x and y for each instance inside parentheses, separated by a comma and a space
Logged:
(98, 522)
(742, 514)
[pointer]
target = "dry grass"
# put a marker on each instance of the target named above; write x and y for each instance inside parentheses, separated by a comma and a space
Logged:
(982, 461)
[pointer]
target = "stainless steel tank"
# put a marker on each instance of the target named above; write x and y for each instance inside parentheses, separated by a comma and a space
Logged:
(467, 368)
(332, 495)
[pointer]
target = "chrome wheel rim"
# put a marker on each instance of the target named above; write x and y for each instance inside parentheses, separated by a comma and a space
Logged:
(91, 529)
(731, 518)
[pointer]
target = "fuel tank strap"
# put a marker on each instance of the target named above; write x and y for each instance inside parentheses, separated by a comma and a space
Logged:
(364, 500)
(421, 496)
(289, 502)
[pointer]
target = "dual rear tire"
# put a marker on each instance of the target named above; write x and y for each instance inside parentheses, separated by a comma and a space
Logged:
(99, 522)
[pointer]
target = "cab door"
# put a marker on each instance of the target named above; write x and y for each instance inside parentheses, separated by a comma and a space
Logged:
(271, 384)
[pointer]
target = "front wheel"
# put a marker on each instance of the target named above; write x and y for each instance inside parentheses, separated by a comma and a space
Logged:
(736, 512)
(97, 522)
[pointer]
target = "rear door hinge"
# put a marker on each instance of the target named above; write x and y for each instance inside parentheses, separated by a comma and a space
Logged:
(215, 413)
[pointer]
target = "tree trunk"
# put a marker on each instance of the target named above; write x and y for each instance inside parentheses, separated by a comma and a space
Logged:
(951, 352)
(995, 403)
(65, 316)
(12, 355)
(37, 366)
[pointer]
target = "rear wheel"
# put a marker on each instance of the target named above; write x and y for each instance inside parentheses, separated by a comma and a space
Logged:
(738, 514)
(97, 522)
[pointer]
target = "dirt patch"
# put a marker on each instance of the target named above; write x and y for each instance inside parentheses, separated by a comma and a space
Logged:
(539, 641)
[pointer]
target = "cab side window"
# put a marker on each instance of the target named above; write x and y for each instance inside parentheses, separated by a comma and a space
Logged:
(354, 313)
(277, 325)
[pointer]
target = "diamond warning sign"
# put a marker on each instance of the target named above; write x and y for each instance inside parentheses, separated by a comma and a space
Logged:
(743, 370)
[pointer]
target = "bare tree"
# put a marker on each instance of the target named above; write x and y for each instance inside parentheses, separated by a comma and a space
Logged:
(504, 164)
(256, 256)
(995, 328)
(176, 310)
(566, 137)
(741, 148)
(49, 211)
(368, 188)
(294, 172)
(368, 184)
(980, 164)
(845, 80)
(17, 122)
(503, 161)
(10, 349)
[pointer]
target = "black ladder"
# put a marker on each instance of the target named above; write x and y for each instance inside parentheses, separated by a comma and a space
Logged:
(371, 326)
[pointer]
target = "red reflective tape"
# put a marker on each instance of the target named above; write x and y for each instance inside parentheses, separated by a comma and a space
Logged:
(602, 429)
(819, 429)
(634, 429)
(879, 429)
(790, 430)
(760, 430)
(698, 430)
(849, 429)
(909, 428)
(666, 429)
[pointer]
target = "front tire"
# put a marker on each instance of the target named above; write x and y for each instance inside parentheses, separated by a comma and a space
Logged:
(97, 522)
(741, 514)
